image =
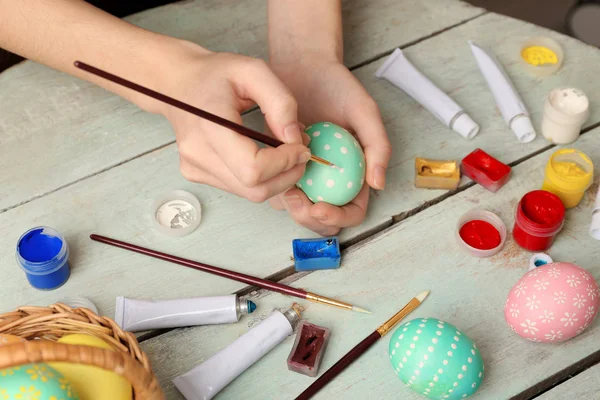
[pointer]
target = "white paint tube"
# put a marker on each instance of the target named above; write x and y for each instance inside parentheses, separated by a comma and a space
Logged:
(135, 315)
(399, 71)
(209, 378)
(507, 98)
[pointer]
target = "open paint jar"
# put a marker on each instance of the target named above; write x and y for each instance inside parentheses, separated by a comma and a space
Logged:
(481, 233)
(43, 254)
(569, 173)
(539, 217)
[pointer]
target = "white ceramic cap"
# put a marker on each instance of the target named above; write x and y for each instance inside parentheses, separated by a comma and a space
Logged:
(465, 126)
(539, 259)
(523, 129)
(79, 302)
(177, 213)
(486, 216)
(565, 111)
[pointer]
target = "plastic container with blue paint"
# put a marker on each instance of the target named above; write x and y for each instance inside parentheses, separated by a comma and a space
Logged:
(43, 254)
(314, 254)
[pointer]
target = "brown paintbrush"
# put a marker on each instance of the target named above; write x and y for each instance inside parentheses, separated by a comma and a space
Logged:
(252, 134)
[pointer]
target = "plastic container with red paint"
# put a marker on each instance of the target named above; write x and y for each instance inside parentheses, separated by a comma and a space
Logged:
(481, 233)
(485, 170)
(539, 217)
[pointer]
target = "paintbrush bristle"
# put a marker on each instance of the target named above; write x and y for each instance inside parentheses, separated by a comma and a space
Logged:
(421, 296)
(361, 310)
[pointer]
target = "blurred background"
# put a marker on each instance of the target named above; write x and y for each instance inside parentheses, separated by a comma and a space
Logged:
(577, 18)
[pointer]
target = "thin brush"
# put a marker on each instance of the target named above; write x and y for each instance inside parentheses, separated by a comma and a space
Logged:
(236, 276)
(252, 134)
(363, 346)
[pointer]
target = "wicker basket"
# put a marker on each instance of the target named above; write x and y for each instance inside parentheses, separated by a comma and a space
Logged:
(51, 323)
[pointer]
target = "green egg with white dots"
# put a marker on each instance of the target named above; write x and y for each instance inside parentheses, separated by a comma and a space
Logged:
(337, 186)
(436, 359)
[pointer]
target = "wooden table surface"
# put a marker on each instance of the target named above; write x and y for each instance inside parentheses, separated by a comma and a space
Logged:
(82, 160)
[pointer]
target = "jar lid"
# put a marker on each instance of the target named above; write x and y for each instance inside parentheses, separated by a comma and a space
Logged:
(177, 213)
(480, 233)
(542, 56)
(539, 259)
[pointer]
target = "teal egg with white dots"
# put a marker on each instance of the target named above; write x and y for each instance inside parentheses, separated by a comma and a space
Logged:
(435, 359)
(337, 186)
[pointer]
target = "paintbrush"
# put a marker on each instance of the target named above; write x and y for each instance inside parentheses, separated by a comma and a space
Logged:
(360, 348)
(252, 134)
(236, 276)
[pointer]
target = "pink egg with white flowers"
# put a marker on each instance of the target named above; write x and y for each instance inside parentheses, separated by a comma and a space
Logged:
(552, 303)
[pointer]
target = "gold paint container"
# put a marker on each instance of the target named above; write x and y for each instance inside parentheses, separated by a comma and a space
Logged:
(436, 174)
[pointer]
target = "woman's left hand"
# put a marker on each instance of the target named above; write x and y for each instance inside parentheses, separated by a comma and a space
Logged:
(328, 91)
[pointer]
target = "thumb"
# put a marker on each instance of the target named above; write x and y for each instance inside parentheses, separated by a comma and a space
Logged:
(275, 100)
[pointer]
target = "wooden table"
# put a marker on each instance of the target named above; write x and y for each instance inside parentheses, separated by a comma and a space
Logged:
(82, 160)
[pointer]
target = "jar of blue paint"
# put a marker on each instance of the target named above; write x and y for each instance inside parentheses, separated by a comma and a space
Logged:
(43, 254)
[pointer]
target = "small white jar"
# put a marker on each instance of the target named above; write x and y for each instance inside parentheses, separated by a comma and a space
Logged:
(565, 111)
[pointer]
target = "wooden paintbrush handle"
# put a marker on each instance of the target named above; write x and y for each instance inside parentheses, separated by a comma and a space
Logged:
(339, 366)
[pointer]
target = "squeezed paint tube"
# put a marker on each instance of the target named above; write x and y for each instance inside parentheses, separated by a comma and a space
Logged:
(507, 98)
(135, 315)
(399, 71)
(209, 378)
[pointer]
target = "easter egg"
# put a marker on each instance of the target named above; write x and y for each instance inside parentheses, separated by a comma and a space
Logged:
(35, 381)
(337, 186)
(552, 303)
(9, 339)
(436, 359)
(93, 383)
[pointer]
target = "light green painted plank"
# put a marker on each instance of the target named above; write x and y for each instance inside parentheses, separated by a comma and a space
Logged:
(383, 273)
(78, 129)
(241, 235)
(585, 386)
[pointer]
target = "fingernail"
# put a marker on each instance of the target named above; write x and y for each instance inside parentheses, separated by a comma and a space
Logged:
(379, 178)
(293, 202)
(319, 217)
(292, 133)
(304, 157)
(305, 138)
(302, 126)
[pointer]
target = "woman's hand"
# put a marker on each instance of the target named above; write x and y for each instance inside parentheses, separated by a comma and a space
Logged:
(327, 91)
(226, 85)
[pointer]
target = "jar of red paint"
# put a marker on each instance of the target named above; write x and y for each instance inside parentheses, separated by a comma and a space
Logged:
(539, 217)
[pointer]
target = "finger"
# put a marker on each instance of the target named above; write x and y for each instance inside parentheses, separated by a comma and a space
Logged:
(352, 214)
(298, 205)
(258, 83)
(197, 175)
(366, 122)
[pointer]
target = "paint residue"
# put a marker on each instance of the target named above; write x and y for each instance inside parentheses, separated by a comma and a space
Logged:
(480, 234)
(176, 214)
(39, 246)
(569, 169)
(539, 55)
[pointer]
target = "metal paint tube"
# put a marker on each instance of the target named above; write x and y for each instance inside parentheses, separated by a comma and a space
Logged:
(209, 378)
(507, 98)
(399, 71)
(135, 315)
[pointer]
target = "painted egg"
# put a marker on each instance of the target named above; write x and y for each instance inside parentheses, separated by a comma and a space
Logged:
(93, 383)
(10, 339)
(35, 381)
(436, 359)
(552, 303)
(337, 186)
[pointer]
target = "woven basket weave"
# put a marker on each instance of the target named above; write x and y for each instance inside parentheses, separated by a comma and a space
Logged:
(51, 323)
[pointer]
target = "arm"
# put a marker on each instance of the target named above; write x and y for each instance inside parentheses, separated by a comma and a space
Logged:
(306, 52)
(59, 32)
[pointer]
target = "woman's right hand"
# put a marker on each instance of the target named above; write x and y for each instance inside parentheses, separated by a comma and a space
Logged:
(226, 85)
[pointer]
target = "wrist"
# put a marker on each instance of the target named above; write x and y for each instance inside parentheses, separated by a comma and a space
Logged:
(293, 49)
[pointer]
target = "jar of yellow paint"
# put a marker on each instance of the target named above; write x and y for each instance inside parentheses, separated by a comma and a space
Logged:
(569, 173)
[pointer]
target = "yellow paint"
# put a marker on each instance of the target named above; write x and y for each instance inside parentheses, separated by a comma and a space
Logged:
(539, 55)
(569, 173)
(90, 382)
(436, 174)
(569, 169)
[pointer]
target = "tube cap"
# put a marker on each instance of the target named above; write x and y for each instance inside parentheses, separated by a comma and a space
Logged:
(539, 259)
(595, 227)
(465, 126)
(523, 129)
